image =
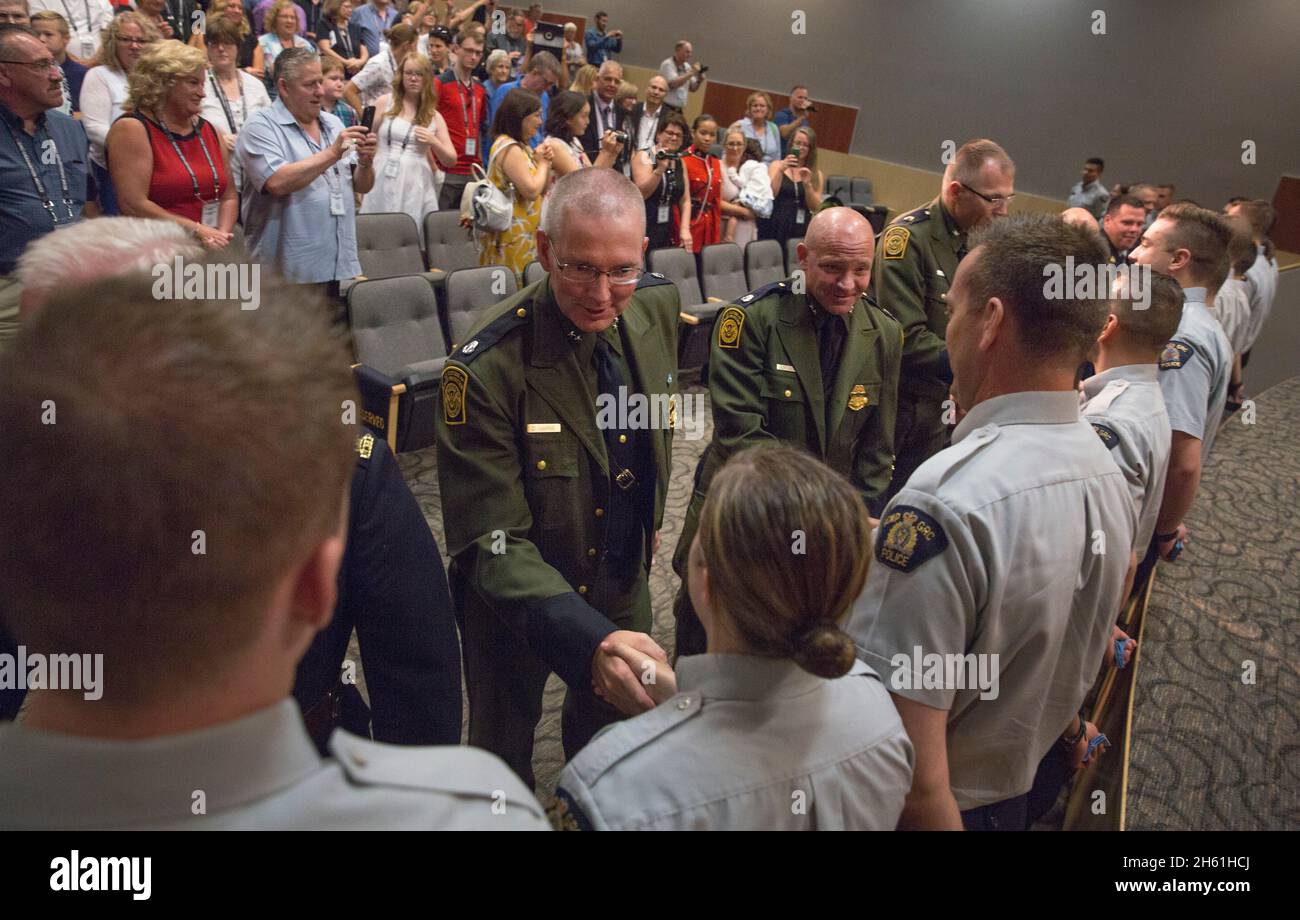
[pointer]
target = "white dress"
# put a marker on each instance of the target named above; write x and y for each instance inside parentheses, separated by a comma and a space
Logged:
(414, 189)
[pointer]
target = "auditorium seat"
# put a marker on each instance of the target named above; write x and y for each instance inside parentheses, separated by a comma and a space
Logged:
(471, 291)
(533, 272)
(400, 352)
(697, 315)
(791, 256)
(859, 191)
(764, 263)
(388, 245)
(447, 245)
(839, 187)
(722, 272)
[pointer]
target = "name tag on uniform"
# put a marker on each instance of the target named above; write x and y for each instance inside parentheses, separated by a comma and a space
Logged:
(663, 213)
(210, 208)
(785, 367)
(471, 146)
(390, 167)
(336, 204)
(543, 428)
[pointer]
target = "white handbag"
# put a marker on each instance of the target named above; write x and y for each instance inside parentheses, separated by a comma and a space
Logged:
(484, 203)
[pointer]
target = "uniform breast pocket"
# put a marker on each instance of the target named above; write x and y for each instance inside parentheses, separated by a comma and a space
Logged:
(936, 306)
(782, 387)
(551, 476)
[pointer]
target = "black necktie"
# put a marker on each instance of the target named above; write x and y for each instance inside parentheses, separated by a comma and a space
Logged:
(624, 531)
(830, 341)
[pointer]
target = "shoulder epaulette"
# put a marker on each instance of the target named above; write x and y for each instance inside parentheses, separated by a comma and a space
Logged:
(493, 332)
(919, 216)
(651, 279)
(772, 287)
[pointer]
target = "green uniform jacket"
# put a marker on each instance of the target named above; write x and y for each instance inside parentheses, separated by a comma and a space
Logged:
(765, 384)
(915, 264)
(522, 468)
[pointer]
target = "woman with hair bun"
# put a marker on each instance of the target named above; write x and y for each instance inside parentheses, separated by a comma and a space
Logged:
(777, 726)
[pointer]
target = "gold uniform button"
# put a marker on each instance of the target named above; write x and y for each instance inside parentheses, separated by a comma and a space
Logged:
(582, 589)
(788, 394)
(541, 464)
(600, 512)
(622, 439)
(592, 551)
(521, 312)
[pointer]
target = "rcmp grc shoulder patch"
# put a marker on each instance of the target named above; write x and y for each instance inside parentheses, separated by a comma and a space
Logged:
(908, 537)
(455, 384)
(1107, 435)
(1175, 355)
(894, 242)
(730, 324)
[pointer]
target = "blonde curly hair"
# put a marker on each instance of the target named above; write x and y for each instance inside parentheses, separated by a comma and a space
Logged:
(156, 71)
(112, 34)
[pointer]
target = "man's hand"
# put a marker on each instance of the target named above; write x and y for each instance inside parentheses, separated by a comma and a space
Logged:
(617, 33)
(1130, 644)
(655, 676)
(367, 146)
(614, 680)
(1166, 547)
(350, 137)
(1080, 751)
(610, 143)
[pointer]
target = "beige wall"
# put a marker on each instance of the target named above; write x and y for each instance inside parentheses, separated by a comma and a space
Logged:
(899, 188)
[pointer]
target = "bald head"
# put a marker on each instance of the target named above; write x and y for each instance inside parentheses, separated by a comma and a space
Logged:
(835, 257)
(601, 197)
(1079, 217)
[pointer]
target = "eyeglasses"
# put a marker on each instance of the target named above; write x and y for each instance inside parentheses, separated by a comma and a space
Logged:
(123, 40)
(991, 199)
(38, 66)
(579, 273)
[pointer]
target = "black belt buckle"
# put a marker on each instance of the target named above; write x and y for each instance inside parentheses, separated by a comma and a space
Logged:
(625, 479)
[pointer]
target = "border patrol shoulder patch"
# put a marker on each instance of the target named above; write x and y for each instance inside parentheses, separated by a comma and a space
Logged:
(731, 322)
(1175, 355)
(454, 387)
(1107, 435)
(565, 814)
(365, 446)
(894, 242)
(907, 537)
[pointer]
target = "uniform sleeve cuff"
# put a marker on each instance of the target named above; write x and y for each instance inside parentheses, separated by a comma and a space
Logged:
(565, 631)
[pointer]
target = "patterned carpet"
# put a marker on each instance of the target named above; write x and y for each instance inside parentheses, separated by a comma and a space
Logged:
(1210, 750)
(421, 473)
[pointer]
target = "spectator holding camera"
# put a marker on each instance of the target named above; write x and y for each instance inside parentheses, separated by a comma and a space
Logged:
(797, 186)
(683, 77)
(568, 119)
(659, 175)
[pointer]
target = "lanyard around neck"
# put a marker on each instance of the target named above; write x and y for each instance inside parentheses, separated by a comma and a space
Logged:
(36, 177)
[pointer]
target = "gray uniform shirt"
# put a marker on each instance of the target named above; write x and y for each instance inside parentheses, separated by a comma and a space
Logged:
(1195, 369)
(748, 743)
(1261, 280)
(992, 549)
(1127, 410)
(261, 772)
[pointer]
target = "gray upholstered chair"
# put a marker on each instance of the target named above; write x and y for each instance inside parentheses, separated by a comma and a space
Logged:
(697, 314)
(722, 272)
(400, 352)
(764, 263)
(470, 291)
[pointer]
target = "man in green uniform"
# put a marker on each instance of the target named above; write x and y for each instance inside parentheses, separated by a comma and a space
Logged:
(918, 259)
(809, 361)
(554, 449)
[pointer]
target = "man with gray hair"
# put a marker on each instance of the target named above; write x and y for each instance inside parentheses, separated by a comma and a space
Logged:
(301, 169)
(553, 481)
(683, 77)
(605, 115)
(919, 253)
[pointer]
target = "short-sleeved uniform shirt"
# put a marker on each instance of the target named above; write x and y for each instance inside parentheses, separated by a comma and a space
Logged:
(298, 233)
(748, 743)
(1125, 407)
(1195, 368)
(259, 772)
(1261, 279)
(1012, 542)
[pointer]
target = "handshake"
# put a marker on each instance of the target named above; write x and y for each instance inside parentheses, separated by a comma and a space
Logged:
(630, 671)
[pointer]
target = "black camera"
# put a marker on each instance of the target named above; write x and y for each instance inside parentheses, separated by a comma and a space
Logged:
(704, 68)
(665, 155)
(620, 136)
